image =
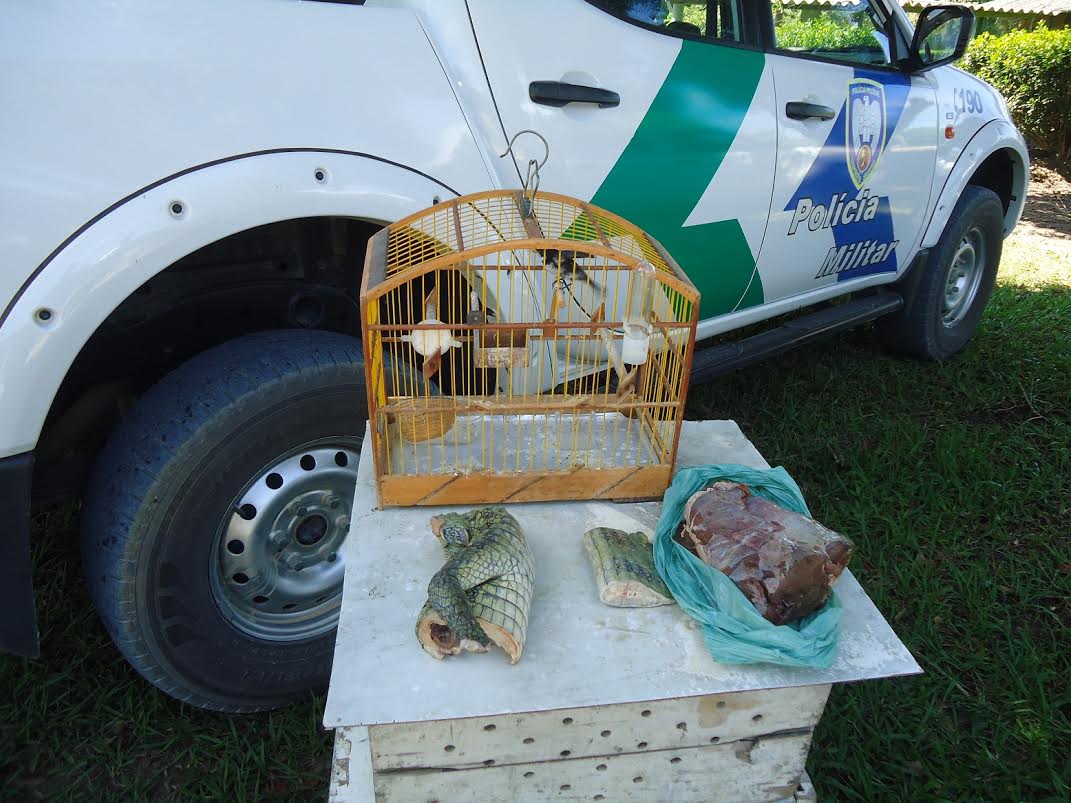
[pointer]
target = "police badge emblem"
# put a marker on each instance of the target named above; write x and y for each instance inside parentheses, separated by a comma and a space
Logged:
(865, 128)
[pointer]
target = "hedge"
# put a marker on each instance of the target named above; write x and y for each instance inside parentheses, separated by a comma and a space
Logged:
(828, 31)
(1032, 70)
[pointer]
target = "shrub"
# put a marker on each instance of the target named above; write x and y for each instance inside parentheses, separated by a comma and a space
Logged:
(830, 31)
(1032, 69)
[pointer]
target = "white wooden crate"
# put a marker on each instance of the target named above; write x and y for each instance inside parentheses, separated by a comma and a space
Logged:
(614, 704)
(737, 746)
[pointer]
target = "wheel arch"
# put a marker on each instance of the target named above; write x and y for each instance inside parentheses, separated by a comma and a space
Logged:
(105, 263)
(995, 158)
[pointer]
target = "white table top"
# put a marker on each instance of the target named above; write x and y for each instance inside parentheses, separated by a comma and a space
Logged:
(579, 652)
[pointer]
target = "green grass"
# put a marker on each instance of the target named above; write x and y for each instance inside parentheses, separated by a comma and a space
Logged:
(954, 480)
(79, 724)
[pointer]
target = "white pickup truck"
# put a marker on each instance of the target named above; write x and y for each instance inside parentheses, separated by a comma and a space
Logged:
(186, 190)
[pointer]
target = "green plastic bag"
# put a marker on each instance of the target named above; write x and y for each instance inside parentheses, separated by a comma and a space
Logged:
(734, 631)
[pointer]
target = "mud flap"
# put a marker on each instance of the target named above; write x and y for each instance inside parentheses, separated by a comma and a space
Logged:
(18, 625)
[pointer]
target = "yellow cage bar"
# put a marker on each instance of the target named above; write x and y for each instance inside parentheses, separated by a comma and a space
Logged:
(523, 349)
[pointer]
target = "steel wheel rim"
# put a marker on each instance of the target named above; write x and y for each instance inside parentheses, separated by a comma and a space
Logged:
(276, 562)
(964, 277)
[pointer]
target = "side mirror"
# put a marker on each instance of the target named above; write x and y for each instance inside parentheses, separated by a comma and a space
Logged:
(941, 36)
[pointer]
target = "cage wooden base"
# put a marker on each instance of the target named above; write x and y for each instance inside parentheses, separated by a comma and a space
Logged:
(486, 487)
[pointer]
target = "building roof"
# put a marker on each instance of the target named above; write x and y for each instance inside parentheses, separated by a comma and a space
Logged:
(1035, 8)
(822, 3)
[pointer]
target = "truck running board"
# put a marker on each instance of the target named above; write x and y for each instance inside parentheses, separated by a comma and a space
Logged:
(714, 361)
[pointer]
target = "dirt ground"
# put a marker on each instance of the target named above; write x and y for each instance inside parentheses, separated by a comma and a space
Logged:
(1048, 209)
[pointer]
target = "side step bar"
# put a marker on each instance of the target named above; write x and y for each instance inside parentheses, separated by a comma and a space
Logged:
(711, 362)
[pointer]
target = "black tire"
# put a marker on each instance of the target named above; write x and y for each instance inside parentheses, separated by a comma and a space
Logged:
(926, 327)
(165, 485)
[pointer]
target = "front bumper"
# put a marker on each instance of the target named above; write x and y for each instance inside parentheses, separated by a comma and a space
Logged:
(18, 624)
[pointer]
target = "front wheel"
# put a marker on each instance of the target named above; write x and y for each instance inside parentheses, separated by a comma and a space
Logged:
(215, 516)
(945, 300)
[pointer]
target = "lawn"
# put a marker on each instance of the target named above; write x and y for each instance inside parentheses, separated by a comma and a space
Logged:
(953, 479)
(955, 482)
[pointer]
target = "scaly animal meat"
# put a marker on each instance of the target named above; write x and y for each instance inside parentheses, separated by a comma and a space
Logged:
(483, 592)
(624, 567)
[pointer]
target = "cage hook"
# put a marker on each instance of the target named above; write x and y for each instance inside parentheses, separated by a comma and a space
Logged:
(531, 180)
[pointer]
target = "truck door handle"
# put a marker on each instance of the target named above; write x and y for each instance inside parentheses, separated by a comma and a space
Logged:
(557, 93)
(798, 110)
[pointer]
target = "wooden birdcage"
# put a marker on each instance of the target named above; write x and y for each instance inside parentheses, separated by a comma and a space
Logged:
(523, 348)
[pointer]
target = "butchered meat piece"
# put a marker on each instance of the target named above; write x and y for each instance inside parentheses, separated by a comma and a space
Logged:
(784, 562)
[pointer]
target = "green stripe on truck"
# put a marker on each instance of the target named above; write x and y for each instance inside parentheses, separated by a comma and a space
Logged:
(676, 150)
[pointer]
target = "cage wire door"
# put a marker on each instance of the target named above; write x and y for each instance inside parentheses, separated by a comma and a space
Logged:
(523, 348)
